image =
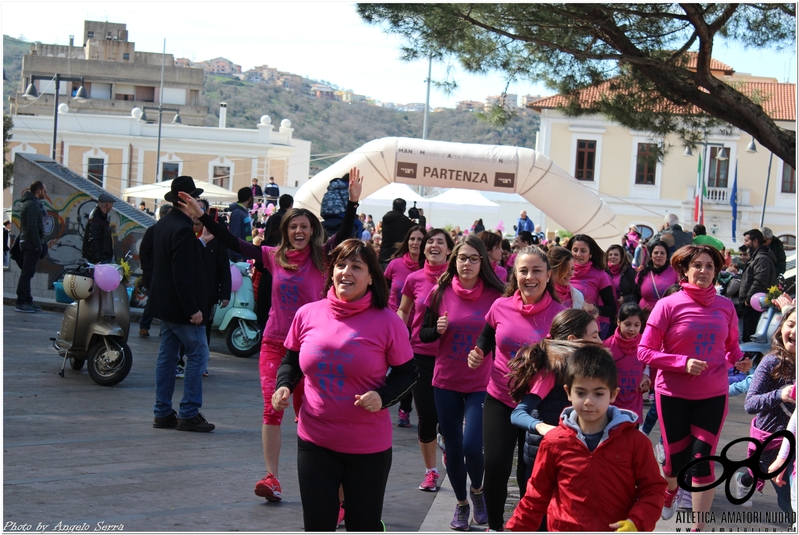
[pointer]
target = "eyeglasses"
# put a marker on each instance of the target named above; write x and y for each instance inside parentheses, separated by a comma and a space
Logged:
(473, 259)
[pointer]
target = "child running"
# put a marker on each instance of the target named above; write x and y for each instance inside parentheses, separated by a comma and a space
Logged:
(633, 375)
(595, 471)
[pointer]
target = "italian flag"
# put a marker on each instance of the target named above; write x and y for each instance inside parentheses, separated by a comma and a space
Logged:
(699, 195)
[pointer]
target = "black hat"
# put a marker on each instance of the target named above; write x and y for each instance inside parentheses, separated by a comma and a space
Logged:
(182, 183)
(105, 197)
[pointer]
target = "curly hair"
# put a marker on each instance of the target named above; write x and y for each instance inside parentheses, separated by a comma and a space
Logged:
(786, 369)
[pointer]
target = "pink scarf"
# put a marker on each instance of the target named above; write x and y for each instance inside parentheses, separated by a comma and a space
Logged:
(703, 296)
(564, 293)
(533, 308)
(581, 270)
(615, 269)
(342, 309)
(433, 272)
(469, 294)
(410, 263)
(297, 258)
(627, 346)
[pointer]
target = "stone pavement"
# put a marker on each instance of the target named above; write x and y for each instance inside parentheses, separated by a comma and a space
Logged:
(84, 455)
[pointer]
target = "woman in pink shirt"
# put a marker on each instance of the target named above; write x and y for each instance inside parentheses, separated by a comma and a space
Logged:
(493, 243)
(691, 339)
(404, 261)
(297, 266)
(456, 309)
(656, 277)
(437, 246)
(522, 317)
(344, 346)
(562, 263)
(592, 280)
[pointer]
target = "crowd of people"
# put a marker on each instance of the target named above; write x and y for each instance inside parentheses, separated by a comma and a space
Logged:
(527, 351)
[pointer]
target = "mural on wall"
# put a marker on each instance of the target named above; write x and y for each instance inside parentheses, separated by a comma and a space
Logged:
(64, 228)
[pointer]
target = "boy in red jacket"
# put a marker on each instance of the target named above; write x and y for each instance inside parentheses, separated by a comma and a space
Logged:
(595, 471)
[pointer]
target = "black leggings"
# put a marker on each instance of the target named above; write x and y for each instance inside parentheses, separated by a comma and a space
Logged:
(499, 438)
(363, 476)
(424, 399)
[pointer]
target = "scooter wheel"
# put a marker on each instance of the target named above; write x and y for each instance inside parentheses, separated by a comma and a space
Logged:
(238, 342)
(76, 364)
(105, 372)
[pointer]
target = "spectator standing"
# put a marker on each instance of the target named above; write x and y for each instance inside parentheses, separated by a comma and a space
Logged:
(370, 223)
(540, 234)
(98, 245)
(177, 294)
(31, 244)
(146, 262)
(622, 274)
(524, 223)
(776, 246)
(256, 189)
(272, 191)
(632, 239)
(701, 238)
(673, 233)
(240, 221)
(6, 242)
(143, 208)
(759, 275)
(394, 228)
(216, 267)
(478, 226)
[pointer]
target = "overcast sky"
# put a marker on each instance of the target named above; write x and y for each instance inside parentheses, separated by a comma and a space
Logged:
(320, 40)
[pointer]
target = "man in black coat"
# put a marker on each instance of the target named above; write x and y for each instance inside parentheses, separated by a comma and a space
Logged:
(759, 275)
(177, 298)
(395, 226)
(31, 244)
(776, 246)
(98, 244)
(146, 261)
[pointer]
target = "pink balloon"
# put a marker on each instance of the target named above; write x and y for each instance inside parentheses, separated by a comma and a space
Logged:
(755, 301)
(235, 278)
(270, 209)
(106, 277)
(501, 226)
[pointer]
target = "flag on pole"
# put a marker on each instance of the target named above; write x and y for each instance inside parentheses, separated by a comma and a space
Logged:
(699, 195)
(734, 200)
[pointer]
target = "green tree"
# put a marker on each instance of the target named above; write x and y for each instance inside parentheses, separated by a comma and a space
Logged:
(638, 49)
(8, 166)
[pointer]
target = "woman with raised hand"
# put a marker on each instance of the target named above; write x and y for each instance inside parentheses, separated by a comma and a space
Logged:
(592, 280)
(522, 317)
(456, 309)
(691, 338)
(655, 277)
(403, 262)
(353, 354)
(437, 246)
(562, 263)
(622, 275)
(297, 266)
(493, 243)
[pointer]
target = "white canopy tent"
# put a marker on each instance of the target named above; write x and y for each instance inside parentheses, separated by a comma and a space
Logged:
(157, 191)
(464, 199)
(477, 167)
(386, 195)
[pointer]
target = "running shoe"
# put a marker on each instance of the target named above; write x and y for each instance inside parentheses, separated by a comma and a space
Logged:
(403, 419)
(685, 500)
(340, 514)
(430, 483)
(669, 504)
(179, 372)
(660, 454)
(479, 503)
(740, 490)
(460, 521)
(269, 488)
(443, 447)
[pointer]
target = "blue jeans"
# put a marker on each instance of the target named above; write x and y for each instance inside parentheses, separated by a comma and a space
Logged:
(464, 443)
(650, 419)
(30, 260)
(193, 338)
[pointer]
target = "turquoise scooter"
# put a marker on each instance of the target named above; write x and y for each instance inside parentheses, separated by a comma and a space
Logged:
(238, 320)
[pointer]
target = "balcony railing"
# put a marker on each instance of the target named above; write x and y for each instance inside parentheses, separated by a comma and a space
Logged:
(717, 195)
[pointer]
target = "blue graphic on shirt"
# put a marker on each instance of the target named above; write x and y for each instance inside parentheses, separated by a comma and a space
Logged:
(463, 340)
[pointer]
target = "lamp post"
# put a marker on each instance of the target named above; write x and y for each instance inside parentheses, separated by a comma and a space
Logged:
(175, 120)
(32, 94)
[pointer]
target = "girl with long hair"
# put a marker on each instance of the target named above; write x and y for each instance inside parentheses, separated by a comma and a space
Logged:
(562, 263)
(691, 338)
(437, 245)
(769, 399)
(633, 375)
(456, 309)
(622, 274)
(592, 280)
(297, 266)
(353, 354)
(493, 243)
(523, 316)
(655, 277)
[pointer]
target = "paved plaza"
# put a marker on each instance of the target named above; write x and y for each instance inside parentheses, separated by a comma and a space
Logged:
(76, 454)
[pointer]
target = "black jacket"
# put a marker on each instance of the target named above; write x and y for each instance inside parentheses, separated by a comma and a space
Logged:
(628, 289)
(146, 257)
(778, 249)
(30, 221)
(98, 245)
(395, 226)
(177, 289)
(217, 273)
(759, 275)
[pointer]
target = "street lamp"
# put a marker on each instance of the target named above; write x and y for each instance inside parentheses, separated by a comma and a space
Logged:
(32, 94)
(175, 120)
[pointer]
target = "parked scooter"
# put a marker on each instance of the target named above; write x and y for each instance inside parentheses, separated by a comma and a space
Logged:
(95, 328)
(238, 320)
(760, 342)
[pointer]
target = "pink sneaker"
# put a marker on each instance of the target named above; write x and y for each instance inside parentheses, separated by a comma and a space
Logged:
(430, 483)
(340, 514)
(269, 488)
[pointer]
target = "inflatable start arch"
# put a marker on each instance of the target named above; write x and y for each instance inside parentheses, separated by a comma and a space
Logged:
(418, 162)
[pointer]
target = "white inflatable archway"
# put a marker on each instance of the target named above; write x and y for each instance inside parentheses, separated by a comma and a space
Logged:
(444, 164)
